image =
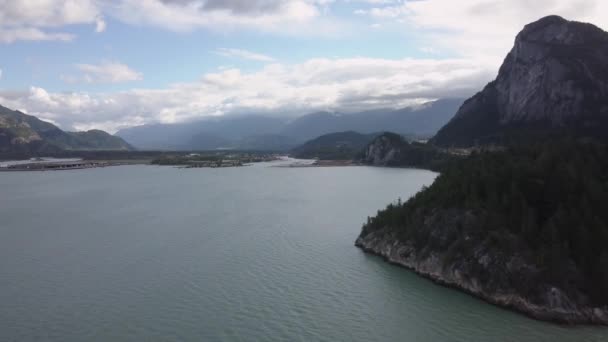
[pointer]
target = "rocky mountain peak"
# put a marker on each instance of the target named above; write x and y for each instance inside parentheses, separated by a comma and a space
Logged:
(554, 29)
(555, 76)
(552, 34)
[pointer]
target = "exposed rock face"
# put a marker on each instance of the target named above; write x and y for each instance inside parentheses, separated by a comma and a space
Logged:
(390, 149)
(556, 76)
(385, 150)
(509, 280)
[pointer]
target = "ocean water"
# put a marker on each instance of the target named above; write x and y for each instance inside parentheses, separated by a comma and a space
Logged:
(258, 253)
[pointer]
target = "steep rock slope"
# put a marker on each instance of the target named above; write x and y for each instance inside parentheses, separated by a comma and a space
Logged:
(555, 79)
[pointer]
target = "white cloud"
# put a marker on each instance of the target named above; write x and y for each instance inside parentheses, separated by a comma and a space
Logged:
(41, 19)
(31, 19)
(107, 72)
(340, 84)
(387, 12)
(429, 50)
(484, 28)
(377, 2)
(238, 53)
(100, 24)
(44, 19)
(47, 13)
(10, 35)
(283, 16)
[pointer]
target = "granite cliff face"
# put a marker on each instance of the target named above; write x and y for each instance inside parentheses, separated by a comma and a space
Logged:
(384, 150)
(554, 78)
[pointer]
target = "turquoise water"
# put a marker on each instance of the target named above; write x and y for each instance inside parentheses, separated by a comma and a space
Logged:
(259, 253)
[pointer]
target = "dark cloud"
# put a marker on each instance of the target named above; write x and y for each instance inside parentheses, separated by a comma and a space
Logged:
(245, 6)
(234, 6)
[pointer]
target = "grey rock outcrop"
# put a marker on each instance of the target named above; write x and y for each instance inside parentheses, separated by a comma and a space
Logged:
(385, 150)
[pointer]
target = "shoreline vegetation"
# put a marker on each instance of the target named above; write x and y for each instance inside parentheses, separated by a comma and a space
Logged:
(215, 159)
(523, 228)
(71, 160)
(520, 226)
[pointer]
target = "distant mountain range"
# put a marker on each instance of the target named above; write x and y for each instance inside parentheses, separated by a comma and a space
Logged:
(262, 132)
(22, 133)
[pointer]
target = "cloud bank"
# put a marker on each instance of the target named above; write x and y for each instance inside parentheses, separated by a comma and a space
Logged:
(107, 72)
(481, 28)
(45, 20)
(317, 84)
(39, 19)
(244, 54)
(276, 16)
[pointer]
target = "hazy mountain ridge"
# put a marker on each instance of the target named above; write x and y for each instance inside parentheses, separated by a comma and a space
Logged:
(236, 131)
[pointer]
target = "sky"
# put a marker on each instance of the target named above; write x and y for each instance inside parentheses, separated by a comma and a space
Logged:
(112, 64)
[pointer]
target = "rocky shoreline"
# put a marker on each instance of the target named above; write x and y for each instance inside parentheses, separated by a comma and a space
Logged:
(560, 310)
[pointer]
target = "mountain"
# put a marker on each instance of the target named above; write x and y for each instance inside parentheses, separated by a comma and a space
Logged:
(554, 80)
(96, 139)
(522, 225)
(333, 146)
(24, 133)
(421, 121)
(236, 131)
